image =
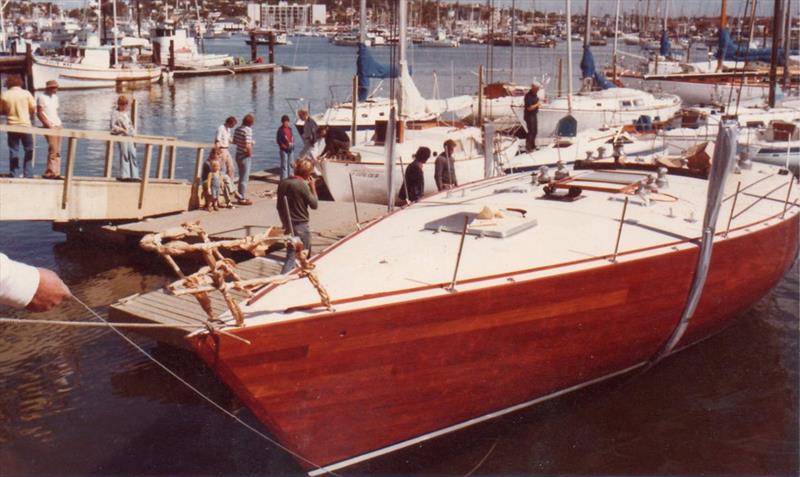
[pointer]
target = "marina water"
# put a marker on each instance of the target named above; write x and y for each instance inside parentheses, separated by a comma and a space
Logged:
(81, 401)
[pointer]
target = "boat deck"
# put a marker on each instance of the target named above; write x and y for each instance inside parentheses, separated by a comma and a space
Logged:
(161, 307)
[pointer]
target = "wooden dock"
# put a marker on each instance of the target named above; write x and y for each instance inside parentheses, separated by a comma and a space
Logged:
(227, 70)
(102, 197)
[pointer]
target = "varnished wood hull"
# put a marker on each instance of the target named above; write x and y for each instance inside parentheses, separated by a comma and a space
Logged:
(341, 385)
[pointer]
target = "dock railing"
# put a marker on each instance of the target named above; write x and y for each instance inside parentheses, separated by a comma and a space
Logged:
(167, 151)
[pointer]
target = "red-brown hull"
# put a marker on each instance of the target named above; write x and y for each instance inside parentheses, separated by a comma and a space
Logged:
(337, 386)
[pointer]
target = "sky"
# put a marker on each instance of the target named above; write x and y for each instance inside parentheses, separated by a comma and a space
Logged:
(601, 7)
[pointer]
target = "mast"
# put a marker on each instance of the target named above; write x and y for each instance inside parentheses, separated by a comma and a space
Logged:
(362, 25)
(723, 23)
(787, 45)
(3, 39)
(752, 32)
(777, 20)
(114, 30)
(402, 25)
(616, 37)
(513, 34)
(666, 14)
(569, 57)
(588, 24)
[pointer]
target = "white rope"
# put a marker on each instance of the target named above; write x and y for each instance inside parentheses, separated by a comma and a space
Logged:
(198, 392)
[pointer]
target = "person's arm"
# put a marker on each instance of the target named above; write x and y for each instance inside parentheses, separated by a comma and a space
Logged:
(311, 197)
(43, 117)
(24, 286)
(218, 137)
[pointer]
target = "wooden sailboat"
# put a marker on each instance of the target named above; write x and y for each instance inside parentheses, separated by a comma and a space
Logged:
(540, 303)
(502, 293)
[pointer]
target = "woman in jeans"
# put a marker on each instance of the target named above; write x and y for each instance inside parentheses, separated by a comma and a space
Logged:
(121, 125)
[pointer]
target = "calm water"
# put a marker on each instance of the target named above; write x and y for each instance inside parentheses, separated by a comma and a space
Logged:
(81, 401)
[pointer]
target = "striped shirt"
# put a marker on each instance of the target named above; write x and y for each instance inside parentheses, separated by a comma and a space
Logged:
(242, 136)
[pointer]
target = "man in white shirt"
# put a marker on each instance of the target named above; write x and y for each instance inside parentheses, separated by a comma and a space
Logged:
(47, 112)
(24, 286)
(223, 142)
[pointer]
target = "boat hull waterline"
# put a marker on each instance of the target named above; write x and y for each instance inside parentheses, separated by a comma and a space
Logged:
(357, 383)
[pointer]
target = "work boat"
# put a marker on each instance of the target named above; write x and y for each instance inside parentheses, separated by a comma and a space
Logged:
(365, 177)
(608, 107)
(187, 55)
(86, 67)
(500, 294)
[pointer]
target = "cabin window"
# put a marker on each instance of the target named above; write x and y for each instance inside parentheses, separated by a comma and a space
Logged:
(626, 104)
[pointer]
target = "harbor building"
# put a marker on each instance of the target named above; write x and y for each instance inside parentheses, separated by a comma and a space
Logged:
(286, 16)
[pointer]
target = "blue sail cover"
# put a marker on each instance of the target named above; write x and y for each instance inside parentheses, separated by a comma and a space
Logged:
(588, 70)
(368, 67)
(665, 49)
(729, 51)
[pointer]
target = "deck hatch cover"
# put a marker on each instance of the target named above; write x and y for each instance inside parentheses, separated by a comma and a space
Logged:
(510, 224)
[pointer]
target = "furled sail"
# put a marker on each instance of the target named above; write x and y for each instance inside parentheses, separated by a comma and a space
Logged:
(588, 70)
(368, 67)
(730, 51)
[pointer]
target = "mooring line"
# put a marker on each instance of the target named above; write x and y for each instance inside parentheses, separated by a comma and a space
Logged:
(200, 393)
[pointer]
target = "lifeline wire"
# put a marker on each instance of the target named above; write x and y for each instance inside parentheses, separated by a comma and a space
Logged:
(198, 392)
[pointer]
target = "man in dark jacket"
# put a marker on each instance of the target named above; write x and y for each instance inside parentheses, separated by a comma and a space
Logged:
(532, 104)
(285, 141)
(414, 184)
(295, 195)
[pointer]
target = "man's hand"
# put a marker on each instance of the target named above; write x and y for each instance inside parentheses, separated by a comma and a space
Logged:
(51, 292)
(313, 185)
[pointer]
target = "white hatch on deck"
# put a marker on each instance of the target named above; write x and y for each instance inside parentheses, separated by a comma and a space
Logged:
(498, 224)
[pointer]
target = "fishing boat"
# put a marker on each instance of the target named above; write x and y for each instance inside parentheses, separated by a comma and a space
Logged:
(500, 294)
(187, 54)
(87, 67)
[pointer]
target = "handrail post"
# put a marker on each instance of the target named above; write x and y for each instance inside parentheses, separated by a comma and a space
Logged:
(71, 142)
(148, 156)
(173, 153)
(109, 159)
(162, 150)
(198, 162)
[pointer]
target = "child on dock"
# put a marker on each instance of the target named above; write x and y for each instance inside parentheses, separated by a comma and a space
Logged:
(213, 184)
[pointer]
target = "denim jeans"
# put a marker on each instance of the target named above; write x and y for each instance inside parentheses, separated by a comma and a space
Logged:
(14, 141)
(286, 161)
(302, 231)
(128, 166)
(244, 174)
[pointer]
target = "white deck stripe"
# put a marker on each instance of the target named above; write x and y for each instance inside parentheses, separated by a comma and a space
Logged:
(400, 445)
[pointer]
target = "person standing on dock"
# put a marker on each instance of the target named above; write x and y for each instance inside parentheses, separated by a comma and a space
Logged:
(445, 167)
(285, 146)
(24, 286)
(243, 138)
(121, 125)
(18, 104)
(47, 112)
(295, 195)
(223, 142)
(310, 134)
(532, 105)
